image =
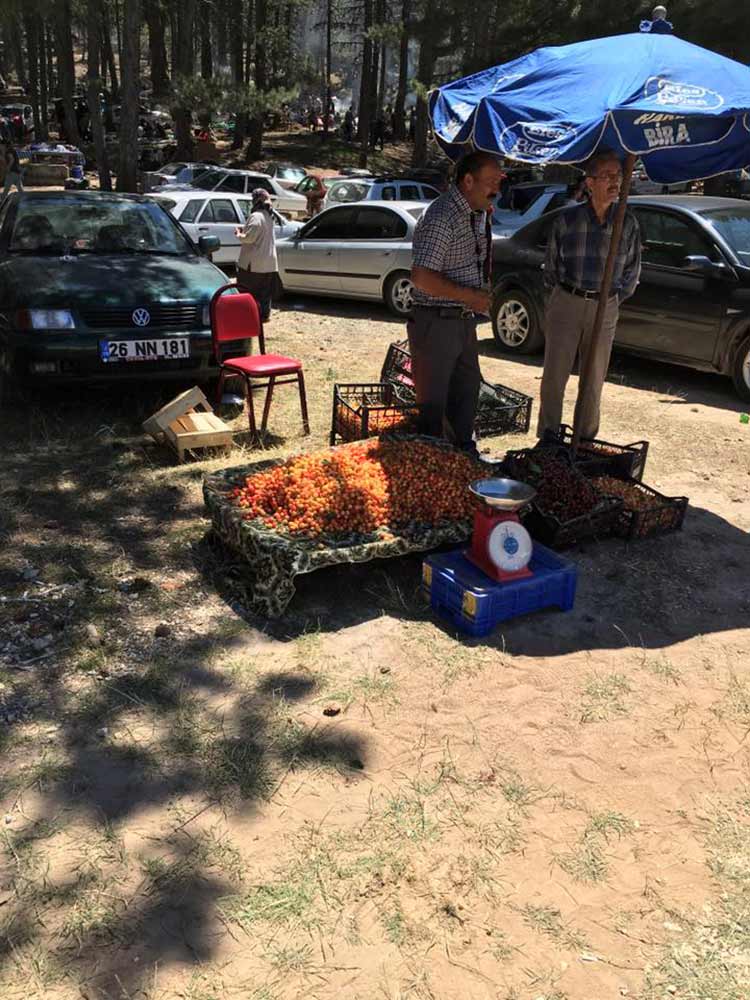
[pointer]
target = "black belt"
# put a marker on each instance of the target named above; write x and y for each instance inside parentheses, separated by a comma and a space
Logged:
(582, 292)
(450, 312)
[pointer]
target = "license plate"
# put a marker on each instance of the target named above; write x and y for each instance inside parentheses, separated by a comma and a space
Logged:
(145, 350)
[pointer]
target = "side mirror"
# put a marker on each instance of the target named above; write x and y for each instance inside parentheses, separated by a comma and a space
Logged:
(700, 264)
(208, 245)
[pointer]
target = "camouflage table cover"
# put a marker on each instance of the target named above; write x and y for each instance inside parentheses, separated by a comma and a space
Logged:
(276, 559)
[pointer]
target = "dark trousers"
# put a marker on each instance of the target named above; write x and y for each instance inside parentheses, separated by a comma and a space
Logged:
(260, 284)
(445, 368)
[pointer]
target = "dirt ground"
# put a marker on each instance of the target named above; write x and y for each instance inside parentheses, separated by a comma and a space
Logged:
(558, 812)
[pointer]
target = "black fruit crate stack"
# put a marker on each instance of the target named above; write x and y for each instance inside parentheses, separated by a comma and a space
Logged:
(363, 410)
(500, 410)
(663, 513)
(600, 521)
(598, 457)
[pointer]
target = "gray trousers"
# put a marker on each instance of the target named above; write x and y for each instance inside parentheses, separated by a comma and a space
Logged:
(445, 368)
(568, 322)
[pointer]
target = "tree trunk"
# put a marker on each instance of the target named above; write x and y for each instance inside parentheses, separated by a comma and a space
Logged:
(255, 146)
(94, 89)
(109, 57)
(207, 62)
(66, 68)
(32, 49)
(43, 133)
(185, 21)
(425, 69)
(49, 48)
(237, 53)
(399, 121)
(17, 47)
(363, 125)
(222, 40)
(157, 49)
(381, 84)
(127, 172)
(118, 35)
(327, 86)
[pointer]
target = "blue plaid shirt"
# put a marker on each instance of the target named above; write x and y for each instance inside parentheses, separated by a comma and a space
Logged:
(578, 247)
(450, 238)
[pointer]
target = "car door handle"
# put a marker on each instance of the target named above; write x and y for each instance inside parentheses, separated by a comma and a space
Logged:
(202, 229)
(329, 253)
(386, 253)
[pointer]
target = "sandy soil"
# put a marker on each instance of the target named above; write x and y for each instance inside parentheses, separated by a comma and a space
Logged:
(558, 811)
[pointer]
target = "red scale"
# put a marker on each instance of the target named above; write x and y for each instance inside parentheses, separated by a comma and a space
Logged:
(500, 545)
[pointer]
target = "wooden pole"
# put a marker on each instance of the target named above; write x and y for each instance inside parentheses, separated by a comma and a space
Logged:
(585, 376)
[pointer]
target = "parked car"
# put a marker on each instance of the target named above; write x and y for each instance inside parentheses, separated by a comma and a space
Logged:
(692, 306)
(353, 189)
(19, 119)
(286, 174)
(100, 286)
(314, 187)
(528, 202)
(212, 213)
(173, 173)
(360, 251)
(243, 182)
(641, 183)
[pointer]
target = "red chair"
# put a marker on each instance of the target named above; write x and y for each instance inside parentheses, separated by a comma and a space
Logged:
(236, 317)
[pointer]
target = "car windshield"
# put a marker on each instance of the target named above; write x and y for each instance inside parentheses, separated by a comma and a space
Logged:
(208, 180)
(74, 225)
(416, 212)
(291, 173)
(349, 191)
(733, 224)
(170, 169)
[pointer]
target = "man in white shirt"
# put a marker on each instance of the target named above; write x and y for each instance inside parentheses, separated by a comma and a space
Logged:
(258, 266)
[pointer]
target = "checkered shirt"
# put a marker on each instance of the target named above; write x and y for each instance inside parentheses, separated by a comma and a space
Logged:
(450, 238)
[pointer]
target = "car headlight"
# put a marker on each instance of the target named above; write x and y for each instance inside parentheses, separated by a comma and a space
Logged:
(46, 319)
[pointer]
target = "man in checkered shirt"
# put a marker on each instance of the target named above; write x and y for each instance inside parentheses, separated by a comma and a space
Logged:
(450, 273)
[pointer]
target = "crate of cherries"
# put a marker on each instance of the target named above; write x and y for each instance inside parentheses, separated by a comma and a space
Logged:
(568, 508)
(645, 511)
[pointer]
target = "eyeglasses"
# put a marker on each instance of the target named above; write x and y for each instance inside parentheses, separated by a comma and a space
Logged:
(607, 177)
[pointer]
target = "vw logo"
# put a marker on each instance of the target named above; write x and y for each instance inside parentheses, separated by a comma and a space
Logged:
(141, 317)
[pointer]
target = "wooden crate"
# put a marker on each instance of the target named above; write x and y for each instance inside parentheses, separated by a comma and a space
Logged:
(188, 423)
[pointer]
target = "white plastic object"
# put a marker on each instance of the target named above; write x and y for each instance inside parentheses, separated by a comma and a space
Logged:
(509, 546)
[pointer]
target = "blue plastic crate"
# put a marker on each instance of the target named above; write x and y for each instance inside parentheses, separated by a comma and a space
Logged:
(465, 596)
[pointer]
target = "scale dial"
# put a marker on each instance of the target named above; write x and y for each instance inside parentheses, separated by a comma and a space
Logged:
(509, 546)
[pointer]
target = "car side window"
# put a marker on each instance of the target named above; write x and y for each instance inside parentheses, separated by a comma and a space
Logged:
(219, 210)
(378, 224)
(332, 225)
(429, 193)
(408, 192)
(389, 193)
(233, 182)
(246, 208)
(667, 239)
(261, 182)
(190, 211)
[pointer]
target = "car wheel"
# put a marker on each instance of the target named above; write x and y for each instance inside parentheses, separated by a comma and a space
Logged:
(515, 323)
(741, 369)
(399, 293)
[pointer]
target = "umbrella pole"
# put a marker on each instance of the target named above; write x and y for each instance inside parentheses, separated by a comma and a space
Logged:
(585, 376)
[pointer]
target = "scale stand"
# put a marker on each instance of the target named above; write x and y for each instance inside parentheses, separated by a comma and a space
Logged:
(500, 545)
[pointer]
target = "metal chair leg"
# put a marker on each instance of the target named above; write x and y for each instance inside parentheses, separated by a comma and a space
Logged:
(303, 402)
(267, 405)
(251, 408)
(219, 389)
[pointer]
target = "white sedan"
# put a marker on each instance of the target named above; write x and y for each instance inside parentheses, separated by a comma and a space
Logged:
(233, 182)
(357, 251)
(208, 213)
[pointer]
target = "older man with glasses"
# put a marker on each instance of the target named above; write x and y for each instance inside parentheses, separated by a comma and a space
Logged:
(573, 269)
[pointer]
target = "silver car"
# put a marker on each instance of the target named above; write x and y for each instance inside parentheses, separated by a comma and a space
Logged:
(359, 251)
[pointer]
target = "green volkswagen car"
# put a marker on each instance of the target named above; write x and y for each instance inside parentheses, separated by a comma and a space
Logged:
(97, 286)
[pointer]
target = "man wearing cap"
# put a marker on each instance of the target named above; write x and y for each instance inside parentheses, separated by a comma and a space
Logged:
(451, 254)
(573, 269)
(258, 266)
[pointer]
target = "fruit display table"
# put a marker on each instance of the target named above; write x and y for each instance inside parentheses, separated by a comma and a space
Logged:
(366, 500)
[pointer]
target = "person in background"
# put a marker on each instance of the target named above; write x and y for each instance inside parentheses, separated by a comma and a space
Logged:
(258, 266)
(12, 170)
(573, 270)
(450, 273)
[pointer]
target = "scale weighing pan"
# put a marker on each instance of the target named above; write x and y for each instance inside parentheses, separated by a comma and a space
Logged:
(503, 494)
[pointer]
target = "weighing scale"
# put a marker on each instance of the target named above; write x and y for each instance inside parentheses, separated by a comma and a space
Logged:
(500, 546)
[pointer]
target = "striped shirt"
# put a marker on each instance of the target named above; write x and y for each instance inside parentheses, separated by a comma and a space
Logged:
(578, 247)
(450, 238)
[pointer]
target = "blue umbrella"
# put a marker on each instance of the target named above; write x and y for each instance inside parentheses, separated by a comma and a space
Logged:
(685, 111)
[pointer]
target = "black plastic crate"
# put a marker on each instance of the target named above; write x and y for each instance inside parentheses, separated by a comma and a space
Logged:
(597, 457)
(663, 514)
(500, 410)
(601, 520)
(367, 409)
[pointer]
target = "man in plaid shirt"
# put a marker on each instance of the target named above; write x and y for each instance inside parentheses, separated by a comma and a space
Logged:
(451, 253)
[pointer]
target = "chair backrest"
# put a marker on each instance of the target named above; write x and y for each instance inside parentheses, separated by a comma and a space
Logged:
(234, 317)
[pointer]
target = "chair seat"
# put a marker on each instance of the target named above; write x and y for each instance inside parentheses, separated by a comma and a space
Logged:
(263, 364)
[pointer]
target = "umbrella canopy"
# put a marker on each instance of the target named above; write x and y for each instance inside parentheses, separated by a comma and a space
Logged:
(683, 109)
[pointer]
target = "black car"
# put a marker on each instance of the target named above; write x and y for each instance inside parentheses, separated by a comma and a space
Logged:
(692, 306)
